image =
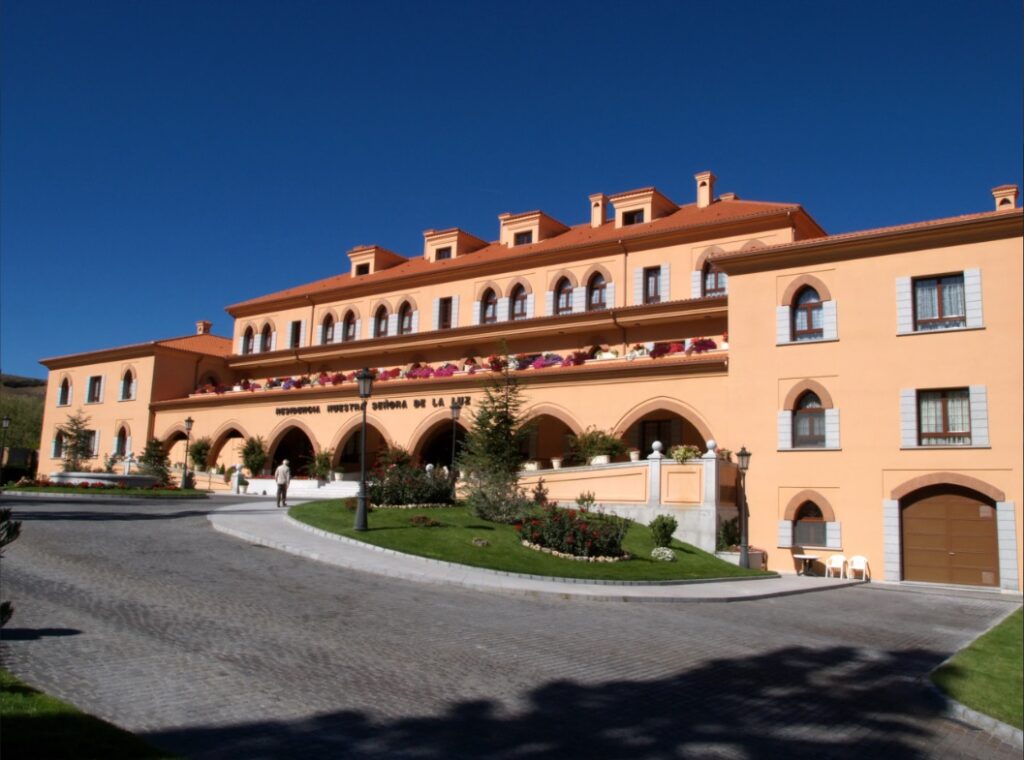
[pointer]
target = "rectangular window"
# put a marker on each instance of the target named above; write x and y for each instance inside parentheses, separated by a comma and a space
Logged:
(652, 285)
(444, 314)
(809, 429)
(939, 303)
(362, 269)
(523, 238)
(443, 253)
(655, 430)
(94, 392)
(296, 334)
(809, 533)
(632, 217)
(944, 417)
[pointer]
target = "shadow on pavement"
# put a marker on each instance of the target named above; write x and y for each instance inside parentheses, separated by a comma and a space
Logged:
(798, 702)
(34, 634)
(33, 516)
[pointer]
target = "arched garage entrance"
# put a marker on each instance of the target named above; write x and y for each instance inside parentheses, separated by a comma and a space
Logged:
(949, 534)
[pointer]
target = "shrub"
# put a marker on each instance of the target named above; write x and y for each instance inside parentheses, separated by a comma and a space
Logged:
(424, 521)
(662, 528)
(663, 554)
(540, 492)
(320, 465)
(199, 452)
(585, 500)
(593, 442)
(254, 455)
(77, 441)
(728, 535)
(575, 531)
(495, 498)
(684, 453)
(395, 481)
(154, 462)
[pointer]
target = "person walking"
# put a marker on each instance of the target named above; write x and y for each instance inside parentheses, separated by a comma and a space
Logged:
(283, 476)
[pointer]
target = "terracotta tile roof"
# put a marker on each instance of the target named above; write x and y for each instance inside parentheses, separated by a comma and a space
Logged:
(212, 345)
(576, 236)
(859, 234)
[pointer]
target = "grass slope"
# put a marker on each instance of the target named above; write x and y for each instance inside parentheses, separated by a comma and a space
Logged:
(453, 542)
(36, 725)
(988, 676)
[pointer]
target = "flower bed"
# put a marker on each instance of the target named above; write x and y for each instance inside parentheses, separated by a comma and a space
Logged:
(578, 558)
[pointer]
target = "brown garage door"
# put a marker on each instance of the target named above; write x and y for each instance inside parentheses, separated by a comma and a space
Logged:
(949, 536)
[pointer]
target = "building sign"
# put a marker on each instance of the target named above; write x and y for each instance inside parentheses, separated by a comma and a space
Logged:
(377, 406)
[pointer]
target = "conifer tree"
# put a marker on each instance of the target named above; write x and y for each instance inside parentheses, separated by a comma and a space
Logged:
(78, 439)
(154, 462)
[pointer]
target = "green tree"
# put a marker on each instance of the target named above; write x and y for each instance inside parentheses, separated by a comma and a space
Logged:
(199, 452)
(26, 415)
(9, 530)
(254, 455)
(78, 440)
(154, 462)
(492, 453)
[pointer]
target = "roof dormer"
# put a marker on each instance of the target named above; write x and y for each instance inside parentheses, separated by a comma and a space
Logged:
(367, 259)
(439, 245)
(640, 206)
(529, 227)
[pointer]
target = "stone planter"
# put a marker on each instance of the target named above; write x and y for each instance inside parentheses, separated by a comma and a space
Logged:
(757, 558)
(337, 476)
(556, 463)
(236, 387)
(600, 459)
(243, 488)
(634, 456)
(531, 466)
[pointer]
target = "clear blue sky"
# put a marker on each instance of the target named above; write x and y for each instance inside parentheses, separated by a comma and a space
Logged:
(161, 160)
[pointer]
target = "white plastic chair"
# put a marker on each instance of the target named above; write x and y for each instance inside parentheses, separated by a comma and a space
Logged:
(833, 563)
(859, 563)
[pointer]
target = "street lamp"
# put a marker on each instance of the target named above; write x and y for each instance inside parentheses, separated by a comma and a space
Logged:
(365, 380)
(743, 456)
(456, 410)
(188, 435)
(4, 423)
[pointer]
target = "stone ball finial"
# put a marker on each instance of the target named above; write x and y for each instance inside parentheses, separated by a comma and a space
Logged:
(430, 468)
(656, 446)
(712, 445)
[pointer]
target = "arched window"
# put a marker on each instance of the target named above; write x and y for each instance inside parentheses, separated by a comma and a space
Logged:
(328, 330)
(595, 292)
(248, 341)
(266, 339)
(121, 444)
(64, 397)
(380, 323)
(518, 299)
(488, 307)
(712, 281)
(58, 445)
(808, 422)
(809, 525)
(405, 319)
(563, 296)
(807, 315)
(348, 331)
(128, 386)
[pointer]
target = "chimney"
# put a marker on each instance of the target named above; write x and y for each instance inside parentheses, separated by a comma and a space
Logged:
(203, 327)
(1005, 197)
(598, 204)
(705, 188)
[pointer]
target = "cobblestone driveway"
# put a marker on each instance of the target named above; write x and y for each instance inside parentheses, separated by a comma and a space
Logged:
(210, 647)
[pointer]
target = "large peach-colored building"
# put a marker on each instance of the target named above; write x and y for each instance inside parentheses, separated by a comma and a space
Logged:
(876, 376)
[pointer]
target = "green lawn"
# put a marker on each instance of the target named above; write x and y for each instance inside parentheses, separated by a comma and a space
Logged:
(453, 542)
(38, 726)
(988, 676)
(137, 493)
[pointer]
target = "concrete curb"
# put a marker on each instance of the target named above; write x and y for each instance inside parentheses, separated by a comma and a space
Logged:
(436, 572)
(89, 496)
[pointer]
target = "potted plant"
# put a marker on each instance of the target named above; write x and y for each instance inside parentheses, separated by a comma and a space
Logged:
(596, 447)
(243, 484)
(320, 466)
(337, 475)
(254, 455)
(634, 455)
(556, 463)
(684, 453)
(531, 465)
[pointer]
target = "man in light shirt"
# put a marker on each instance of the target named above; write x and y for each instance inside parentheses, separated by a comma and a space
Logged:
(283, 476)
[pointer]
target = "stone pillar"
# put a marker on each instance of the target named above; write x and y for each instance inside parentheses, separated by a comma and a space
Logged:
(654, 475)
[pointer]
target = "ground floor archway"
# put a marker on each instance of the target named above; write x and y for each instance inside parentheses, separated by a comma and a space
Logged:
(346, 455)
(949, 534)
(548, 438)
(295, 446)
(669, 427)
(435, 446)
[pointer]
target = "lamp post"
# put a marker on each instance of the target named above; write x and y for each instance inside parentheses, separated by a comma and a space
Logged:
(743, 456)
(188, 436)
(456, 410)
(365, 380)
(4, 423)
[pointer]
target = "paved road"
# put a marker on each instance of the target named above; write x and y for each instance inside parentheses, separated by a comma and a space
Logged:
(212, 647)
